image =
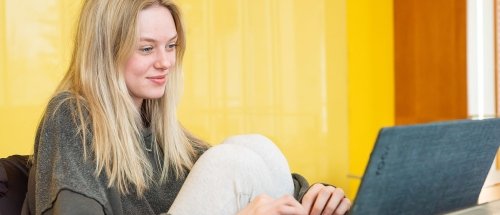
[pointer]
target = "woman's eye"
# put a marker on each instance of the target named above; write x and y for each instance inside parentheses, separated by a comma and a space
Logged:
(171, 46)
(146, 50)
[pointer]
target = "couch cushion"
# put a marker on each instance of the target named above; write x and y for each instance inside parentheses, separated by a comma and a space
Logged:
(13, 183)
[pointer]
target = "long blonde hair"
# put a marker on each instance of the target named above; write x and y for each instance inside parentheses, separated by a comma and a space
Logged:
(105, 37)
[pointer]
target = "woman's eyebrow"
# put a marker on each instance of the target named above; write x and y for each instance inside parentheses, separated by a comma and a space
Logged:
(149, 39)
(173, 38)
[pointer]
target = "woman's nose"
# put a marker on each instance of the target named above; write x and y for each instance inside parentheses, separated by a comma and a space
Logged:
(163, 61)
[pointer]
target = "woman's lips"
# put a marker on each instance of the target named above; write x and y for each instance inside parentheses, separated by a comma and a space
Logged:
(160, 79)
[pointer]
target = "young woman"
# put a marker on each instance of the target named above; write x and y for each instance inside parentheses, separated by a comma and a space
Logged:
(110, 141)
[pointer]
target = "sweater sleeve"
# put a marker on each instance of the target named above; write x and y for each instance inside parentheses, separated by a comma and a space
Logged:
(300, 186)
(59, 160)
(69, 202)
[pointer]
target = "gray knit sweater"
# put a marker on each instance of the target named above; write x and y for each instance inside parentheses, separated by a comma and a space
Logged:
(62, 181)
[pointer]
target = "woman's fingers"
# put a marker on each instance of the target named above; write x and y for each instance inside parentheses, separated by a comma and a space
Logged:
(288, 200)
(333, 203)
(290, 210)
(266, 205)
(256, 205)
(344, 206)
(310, 196)
(289, 206)
(325, 200)
(322, 200)
(262, 199)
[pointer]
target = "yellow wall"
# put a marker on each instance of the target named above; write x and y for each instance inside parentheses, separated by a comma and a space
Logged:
(268, 67)
(316, 77)
(337, 91)
(371, 79)
(35, 49)
(2, 53)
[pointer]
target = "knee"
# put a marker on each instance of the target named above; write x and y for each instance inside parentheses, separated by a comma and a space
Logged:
(246, 137)
(256, 142)
(230, 155)
(263, 147)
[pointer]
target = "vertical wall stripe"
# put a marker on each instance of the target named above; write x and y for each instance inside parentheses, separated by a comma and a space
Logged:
(371, 78)
(3, 66)
(496, 165)
(337, 90)
(480, 59)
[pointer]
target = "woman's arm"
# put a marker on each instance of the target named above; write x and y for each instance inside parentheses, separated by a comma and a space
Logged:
(59, 163)
(69, 202)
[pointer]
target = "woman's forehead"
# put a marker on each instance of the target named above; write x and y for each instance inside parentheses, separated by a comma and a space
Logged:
(156, 23)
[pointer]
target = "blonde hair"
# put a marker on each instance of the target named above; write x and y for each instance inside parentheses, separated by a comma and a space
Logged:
(105, 36)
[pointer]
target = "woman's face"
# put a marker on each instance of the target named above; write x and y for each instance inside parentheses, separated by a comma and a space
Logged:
(146, 71)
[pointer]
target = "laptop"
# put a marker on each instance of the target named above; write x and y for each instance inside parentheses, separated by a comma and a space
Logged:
(428, 168)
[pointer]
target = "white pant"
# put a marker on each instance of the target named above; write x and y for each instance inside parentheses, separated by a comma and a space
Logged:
(228, 176)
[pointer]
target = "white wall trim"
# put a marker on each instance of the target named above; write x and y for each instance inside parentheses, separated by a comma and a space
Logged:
(480, 59)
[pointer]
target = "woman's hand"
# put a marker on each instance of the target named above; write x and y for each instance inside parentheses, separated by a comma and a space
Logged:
(266, 205)
(325, 200)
